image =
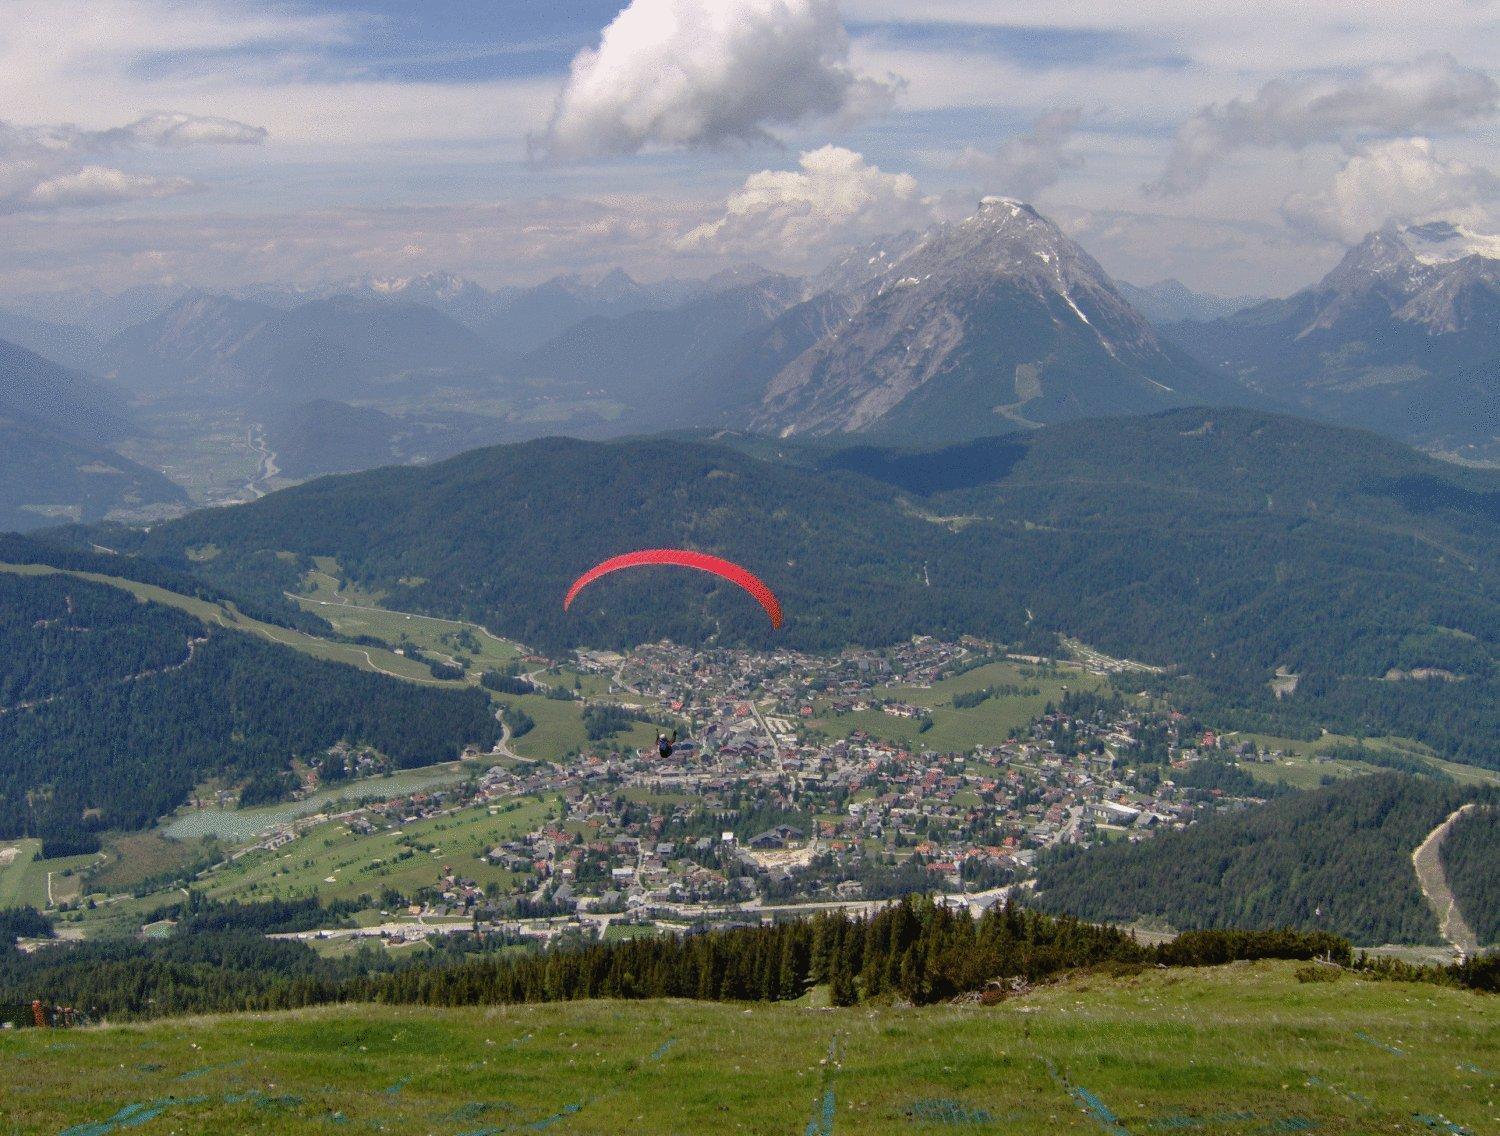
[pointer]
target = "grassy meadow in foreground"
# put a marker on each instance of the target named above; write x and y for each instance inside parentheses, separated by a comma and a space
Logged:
(1239, 1049)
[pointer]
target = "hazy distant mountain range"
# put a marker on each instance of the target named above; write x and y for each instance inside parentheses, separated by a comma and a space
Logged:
(216, 347)
(1171, 301)
(56, 430)
(993, 323)
(1403, 336)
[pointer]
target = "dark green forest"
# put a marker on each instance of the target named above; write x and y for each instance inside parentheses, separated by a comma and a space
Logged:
(1335, 859)
(60, 634)
(73, 548)
(915, 950)
(1471, 860)
(1220, 544)
(109, 751)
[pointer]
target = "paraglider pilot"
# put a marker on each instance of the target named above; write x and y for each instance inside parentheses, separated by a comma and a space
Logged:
(664, 745)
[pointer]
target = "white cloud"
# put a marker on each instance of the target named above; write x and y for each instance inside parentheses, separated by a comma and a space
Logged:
(706, 73)
(1224, 257)
(1399, 180)
(518, 240)
(177, 130)
(100, 185)
(54, 167)
(1433, 93)
(834, 198)
(1027, 164)
(303, 75)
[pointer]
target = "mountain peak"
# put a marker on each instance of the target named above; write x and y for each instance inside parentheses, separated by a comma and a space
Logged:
(424, 287)
(1442, 242)
(1410, 255)
(975, 326)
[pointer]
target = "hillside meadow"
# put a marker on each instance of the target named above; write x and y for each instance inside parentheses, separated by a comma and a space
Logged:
(1237, 1049)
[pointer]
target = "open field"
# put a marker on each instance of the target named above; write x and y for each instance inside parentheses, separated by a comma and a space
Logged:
(559, 725)
(244, 826)
(1240, 1049)
(353, 612)
(1303, 768)
(958, 731)
(559, 728)
(23, 877)
(334, 863)
(18, 869)
(133, 857)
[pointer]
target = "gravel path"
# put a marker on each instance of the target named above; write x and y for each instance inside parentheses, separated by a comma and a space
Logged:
(1428, 862)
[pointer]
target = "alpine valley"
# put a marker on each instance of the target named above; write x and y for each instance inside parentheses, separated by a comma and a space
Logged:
(1187, 626)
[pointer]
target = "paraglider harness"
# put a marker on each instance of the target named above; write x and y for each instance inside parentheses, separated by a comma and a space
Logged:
(664, 747)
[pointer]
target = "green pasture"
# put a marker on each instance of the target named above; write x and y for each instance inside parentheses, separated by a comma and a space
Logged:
(1233, 1050)
(356, 865)
(958, 731)
(1302, 767)
(559, 728)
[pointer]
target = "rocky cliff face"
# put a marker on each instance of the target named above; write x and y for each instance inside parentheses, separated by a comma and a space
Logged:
(976, 327)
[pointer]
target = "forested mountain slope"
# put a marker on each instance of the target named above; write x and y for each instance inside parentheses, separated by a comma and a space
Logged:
(1220, 544)
(1471, 860)
(1334, 859)
(47, 478)
(114, 709)
(56, 426)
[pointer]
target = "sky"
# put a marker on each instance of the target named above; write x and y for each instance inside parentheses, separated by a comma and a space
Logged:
(222, 143)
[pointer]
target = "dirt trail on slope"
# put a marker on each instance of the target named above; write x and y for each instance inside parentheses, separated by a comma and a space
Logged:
(1427, 860)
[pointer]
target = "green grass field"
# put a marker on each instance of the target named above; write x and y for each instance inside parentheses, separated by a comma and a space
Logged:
(1302, 768)
(132, 857)
(352, 612)
(559, 728)
(958, 731)
(23, 877)
(559, 725)
(18, 871)
(1241, 1049)
(365, 864)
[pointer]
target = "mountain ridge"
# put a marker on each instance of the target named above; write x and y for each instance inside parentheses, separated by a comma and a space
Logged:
(1402, 336)
(993, 320)
(1248, 511)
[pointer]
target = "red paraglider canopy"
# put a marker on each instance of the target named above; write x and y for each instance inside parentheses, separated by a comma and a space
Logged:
(683, 558)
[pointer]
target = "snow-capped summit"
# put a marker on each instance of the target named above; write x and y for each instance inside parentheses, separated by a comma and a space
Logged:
(1442, 242)
(1401, 336)
(423, 288)
(1418, 274)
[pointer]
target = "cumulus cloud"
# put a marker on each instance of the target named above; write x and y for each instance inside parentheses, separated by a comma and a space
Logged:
(1398, 180)
(1430, 94)
(53, 167)
(834, 197)
(705, 73)
(177, 130)
(1029, 163)
(100, 185)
